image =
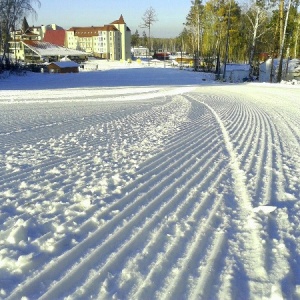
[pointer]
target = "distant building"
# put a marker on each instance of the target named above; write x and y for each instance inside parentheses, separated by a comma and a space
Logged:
(140, 52)
(16, 48)
(54, 34)
(36, 51)
(63, 67)
(109, 41)
(20, 43)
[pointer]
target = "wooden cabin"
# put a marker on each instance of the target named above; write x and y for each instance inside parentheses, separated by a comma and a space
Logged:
(63, 67)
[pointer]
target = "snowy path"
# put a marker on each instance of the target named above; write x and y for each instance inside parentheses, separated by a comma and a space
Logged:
(179, 193)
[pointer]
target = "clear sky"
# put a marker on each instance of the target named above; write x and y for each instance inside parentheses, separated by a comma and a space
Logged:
(67, 13)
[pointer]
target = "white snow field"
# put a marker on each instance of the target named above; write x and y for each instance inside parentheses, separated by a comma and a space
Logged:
(148, 183)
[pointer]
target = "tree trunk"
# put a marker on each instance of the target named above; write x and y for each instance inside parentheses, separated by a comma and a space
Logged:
(297, 38)
(279, 75)
(255, 28)
(281, 17)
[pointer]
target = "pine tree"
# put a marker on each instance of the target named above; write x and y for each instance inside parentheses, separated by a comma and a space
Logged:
(145, 39)
(135, 39)
(25, 25)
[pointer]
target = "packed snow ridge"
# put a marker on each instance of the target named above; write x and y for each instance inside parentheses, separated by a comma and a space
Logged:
(148, 183)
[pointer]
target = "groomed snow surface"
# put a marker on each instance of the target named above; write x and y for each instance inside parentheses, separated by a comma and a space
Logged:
(148, 183)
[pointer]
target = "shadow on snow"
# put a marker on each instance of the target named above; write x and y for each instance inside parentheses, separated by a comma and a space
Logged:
(128, 77)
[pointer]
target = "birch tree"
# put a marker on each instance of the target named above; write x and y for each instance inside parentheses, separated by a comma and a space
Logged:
(194, 24)
(257, 17)
(282, 44)
(297, 34)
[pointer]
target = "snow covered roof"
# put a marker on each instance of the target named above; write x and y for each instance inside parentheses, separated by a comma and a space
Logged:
(293, 64)
(66, 58)
(237, 67)
(65, 64)
(48, 49)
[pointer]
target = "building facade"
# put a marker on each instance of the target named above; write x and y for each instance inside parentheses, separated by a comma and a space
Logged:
(30, 48)
(109, 41)
(140, 52)
(16, 47)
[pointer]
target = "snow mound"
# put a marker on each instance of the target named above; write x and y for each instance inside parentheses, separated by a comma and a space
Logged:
(266, 209)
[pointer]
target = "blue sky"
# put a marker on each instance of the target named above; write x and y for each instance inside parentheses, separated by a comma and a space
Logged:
(67, 13)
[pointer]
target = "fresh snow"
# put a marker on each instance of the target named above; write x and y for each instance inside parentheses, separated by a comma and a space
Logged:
(142, 181)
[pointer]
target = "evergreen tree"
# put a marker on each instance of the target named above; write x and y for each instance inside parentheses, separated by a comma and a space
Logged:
(135, 39)
(145, 39)
(25, 25)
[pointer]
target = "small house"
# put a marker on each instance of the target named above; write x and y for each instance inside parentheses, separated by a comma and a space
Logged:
(140, 52)
(63, 67)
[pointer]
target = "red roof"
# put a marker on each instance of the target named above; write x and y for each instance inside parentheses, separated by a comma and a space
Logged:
(91, 31)
(39, 44)
(56, 37)
(120, 21)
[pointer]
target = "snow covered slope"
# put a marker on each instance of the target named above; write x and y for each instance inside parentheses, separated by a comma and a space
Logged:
(158, 185)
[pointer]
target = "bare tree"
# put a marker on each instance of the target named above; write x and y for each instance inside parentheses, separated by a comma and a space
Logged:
(149, 18)
(11, 13)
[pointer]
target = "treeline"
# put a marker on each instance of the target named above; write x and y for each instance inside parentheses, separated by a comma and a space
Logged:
(237, 32)
(164, 44)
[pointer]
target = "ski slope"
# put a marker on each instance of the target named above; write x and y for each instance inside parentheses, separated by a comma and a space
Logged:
(150, 191)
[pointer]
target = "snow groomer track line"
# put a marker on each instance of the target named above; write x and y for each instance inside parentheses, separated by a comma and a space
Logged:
(188, 193)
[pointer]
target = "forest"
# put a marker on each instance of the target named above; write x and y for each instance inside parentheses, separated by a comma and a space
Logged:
(247, 32)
